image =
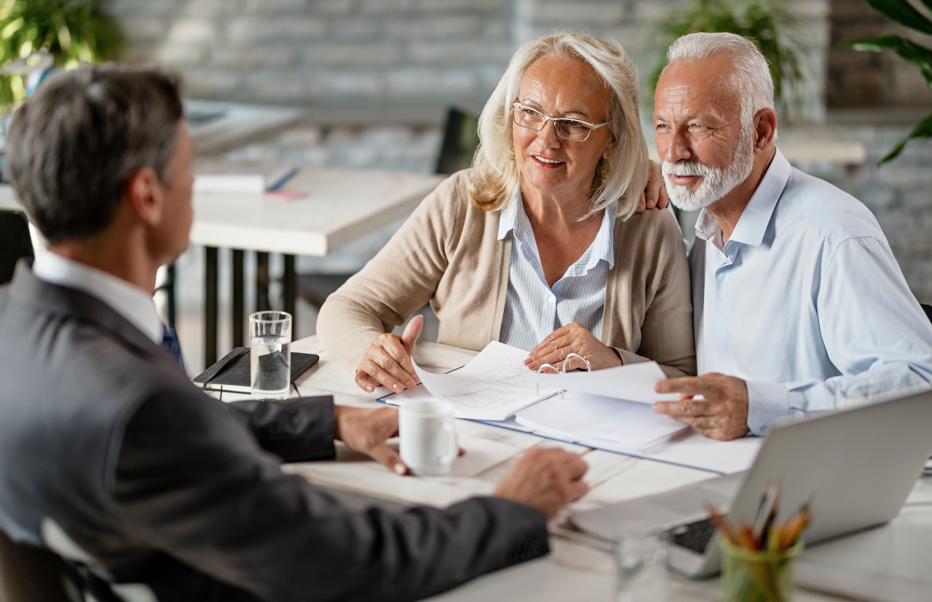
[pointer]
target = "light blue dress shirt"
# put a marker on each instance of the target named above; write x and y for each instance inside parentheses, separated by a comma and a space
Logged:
(532, 309)
(805, 302)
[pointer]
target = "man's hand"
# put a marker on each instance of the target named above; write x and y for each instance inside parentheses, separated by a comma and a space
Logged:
(387, 360)
(546, 478)
(366, 431)
(572, 338)
(722, 413)
(655, 193)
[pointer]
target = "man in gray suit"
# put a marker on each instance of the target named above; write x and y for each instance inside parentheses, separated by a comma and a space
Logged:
(113, 459)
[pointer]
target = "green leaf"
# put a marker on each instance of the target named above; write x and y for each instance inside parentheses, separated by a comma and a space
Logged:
(903, 12)
(923, 129)
(920, 56)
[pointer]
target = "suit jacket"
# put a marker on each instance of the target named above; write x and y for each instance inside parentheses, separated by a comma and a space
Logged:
(111, 457)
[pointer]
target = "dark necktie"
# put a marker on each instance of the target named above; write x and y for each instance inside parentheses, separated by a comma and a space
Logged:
(170, 343)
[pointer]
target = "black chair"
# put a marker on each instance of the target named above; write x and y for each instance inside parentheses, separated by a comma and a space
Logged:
(15, 243)
(31, 574)
(460, 141)
(928, 310)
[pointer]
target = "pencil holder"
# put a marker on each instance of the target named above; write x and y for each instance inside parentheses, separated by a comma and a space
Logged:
(752, 576)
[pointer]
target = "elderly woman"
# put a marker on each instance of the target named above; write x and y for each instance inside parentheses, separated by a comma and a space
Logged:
(538, 245)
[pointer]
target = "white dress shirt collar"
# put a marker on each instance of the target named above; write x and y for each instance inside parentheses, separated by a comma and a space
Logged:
(756, 216)
(126, 299)
(602, 248)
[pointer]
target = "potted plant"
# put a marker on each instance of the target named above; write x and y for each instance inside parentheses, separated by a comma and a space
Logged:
(69, 31)
(775, 30)
(904, 13)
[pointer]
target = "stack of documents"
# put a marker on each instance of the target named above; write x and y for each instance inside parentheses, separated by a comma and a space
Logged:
(240, 178)
(600, 422)
(604, 409)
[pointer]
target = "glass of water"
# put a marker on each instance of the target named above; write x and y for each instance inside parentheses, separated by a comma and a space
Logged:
(641, 567)
(270, 354)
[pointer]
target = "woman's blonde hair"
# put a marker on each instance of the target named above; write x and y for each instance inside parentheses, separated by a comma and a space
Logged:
(495, 174)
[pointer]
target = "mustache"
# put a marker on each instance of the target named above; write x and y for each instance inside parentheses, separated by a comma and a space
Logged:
(691, 168)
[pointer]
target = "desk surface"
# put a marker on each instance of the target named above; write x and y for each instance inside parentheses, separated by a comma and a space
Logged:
(341, 206)
(581, 568)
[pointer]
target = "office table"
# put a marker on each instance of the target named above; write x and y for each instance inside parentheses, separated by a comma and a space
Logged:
(341, 206)
(885, 564)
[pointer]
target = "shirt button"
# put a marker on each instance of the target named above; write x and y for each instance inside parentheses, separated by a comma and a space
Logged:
(552, 300)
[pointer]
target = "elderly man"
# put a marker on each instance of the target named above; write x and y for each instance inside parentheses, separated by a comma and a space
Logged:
(113, 459)
(799, 304)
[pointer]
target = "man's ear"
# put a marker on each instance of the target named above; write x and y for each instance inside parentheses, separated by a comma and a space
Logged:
(144, 193)
(765, 129)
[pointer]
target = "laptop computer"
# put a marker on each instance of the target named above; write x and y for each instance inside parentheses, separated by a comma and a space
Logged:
(859, 464)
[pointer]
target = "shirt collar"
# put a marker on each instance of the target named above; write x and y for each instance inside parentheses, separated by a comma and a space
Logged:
(602, 248)
(752, 225)
(508, 218)
(128, 300)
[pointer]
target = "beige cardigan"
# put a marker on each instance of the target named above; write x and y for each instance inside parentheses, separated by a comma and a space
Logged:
(448, 253)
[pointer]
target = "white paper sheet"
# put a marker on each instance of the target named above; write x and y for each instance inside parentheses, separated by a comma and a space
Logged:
(633, 382)
(686, 448)
(492, 386)
(603, 422)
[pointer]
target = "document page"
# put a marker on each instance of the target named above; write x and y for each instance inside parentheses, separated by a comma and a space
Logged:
(633, 382)
(600, 422)
(493, 386)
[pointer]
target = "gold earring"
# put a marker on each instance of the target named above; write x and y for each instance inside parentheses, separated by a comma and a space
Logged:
(604, 171)
(512, 152)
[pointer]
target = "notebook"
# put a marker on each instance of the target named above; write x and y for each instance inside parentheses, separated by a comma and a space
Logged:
(231, 372)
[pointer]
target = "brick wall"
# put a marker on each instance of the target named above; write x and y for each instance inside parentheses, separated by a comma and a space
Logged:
(371, 52)
(858, 79)
(374, 53)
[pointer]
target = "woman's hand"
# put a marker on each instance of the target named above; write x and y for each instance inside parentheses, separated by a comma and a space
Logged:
(572, 338)
(655, 193)
(387, 360)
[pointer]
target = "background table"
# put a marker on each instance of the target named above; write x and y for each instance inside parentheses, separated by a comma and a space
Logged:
(341, 206)
(887, 564)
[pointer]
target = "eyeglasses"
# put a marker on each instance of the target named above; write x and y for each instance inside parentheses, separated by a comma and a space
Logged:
(567, 128)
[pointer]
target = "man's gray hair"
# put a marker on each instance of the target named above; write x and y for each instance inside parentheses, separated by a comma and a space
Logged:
(752, 74)
(76, 142)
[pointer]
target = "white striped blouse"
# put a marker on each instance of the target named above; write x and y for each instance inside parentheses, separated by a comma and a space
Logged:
(532, 309)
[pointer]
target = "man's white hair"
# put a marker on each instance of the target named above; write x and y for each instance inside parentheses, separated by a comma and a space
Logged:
(752, 77)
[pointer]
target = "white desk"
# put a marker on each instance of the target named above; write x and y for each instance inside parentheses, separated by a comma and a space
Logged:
(579, 567)
(341, 206)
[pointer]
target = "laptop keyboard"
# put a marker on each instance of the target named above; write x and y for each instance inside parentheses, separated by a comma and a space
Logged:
(694, 536)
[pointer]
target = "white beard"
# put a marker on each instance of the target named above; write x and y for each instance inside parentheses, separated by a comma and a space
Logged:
(716, 182)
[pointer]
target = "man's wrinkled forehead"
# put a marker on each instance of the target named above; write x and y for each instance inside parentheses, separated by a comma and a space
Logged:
(696, 87)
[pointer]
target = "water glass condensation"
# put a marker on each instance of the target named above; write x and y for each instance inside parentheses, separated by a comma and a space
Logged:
(641, 568)
(270, 354)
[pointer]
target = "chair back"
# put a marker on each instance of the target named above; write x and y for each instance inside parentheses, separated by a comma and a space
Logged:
(15, 243)
(928, 310)
(460, 141)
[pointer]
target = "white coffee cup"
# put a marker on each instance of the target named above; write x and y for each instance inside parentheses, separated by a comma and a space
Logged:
(428, 438)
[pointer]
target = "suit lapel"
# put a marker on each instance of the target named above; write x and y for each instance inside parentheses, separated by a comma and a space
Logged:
(28, 289)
